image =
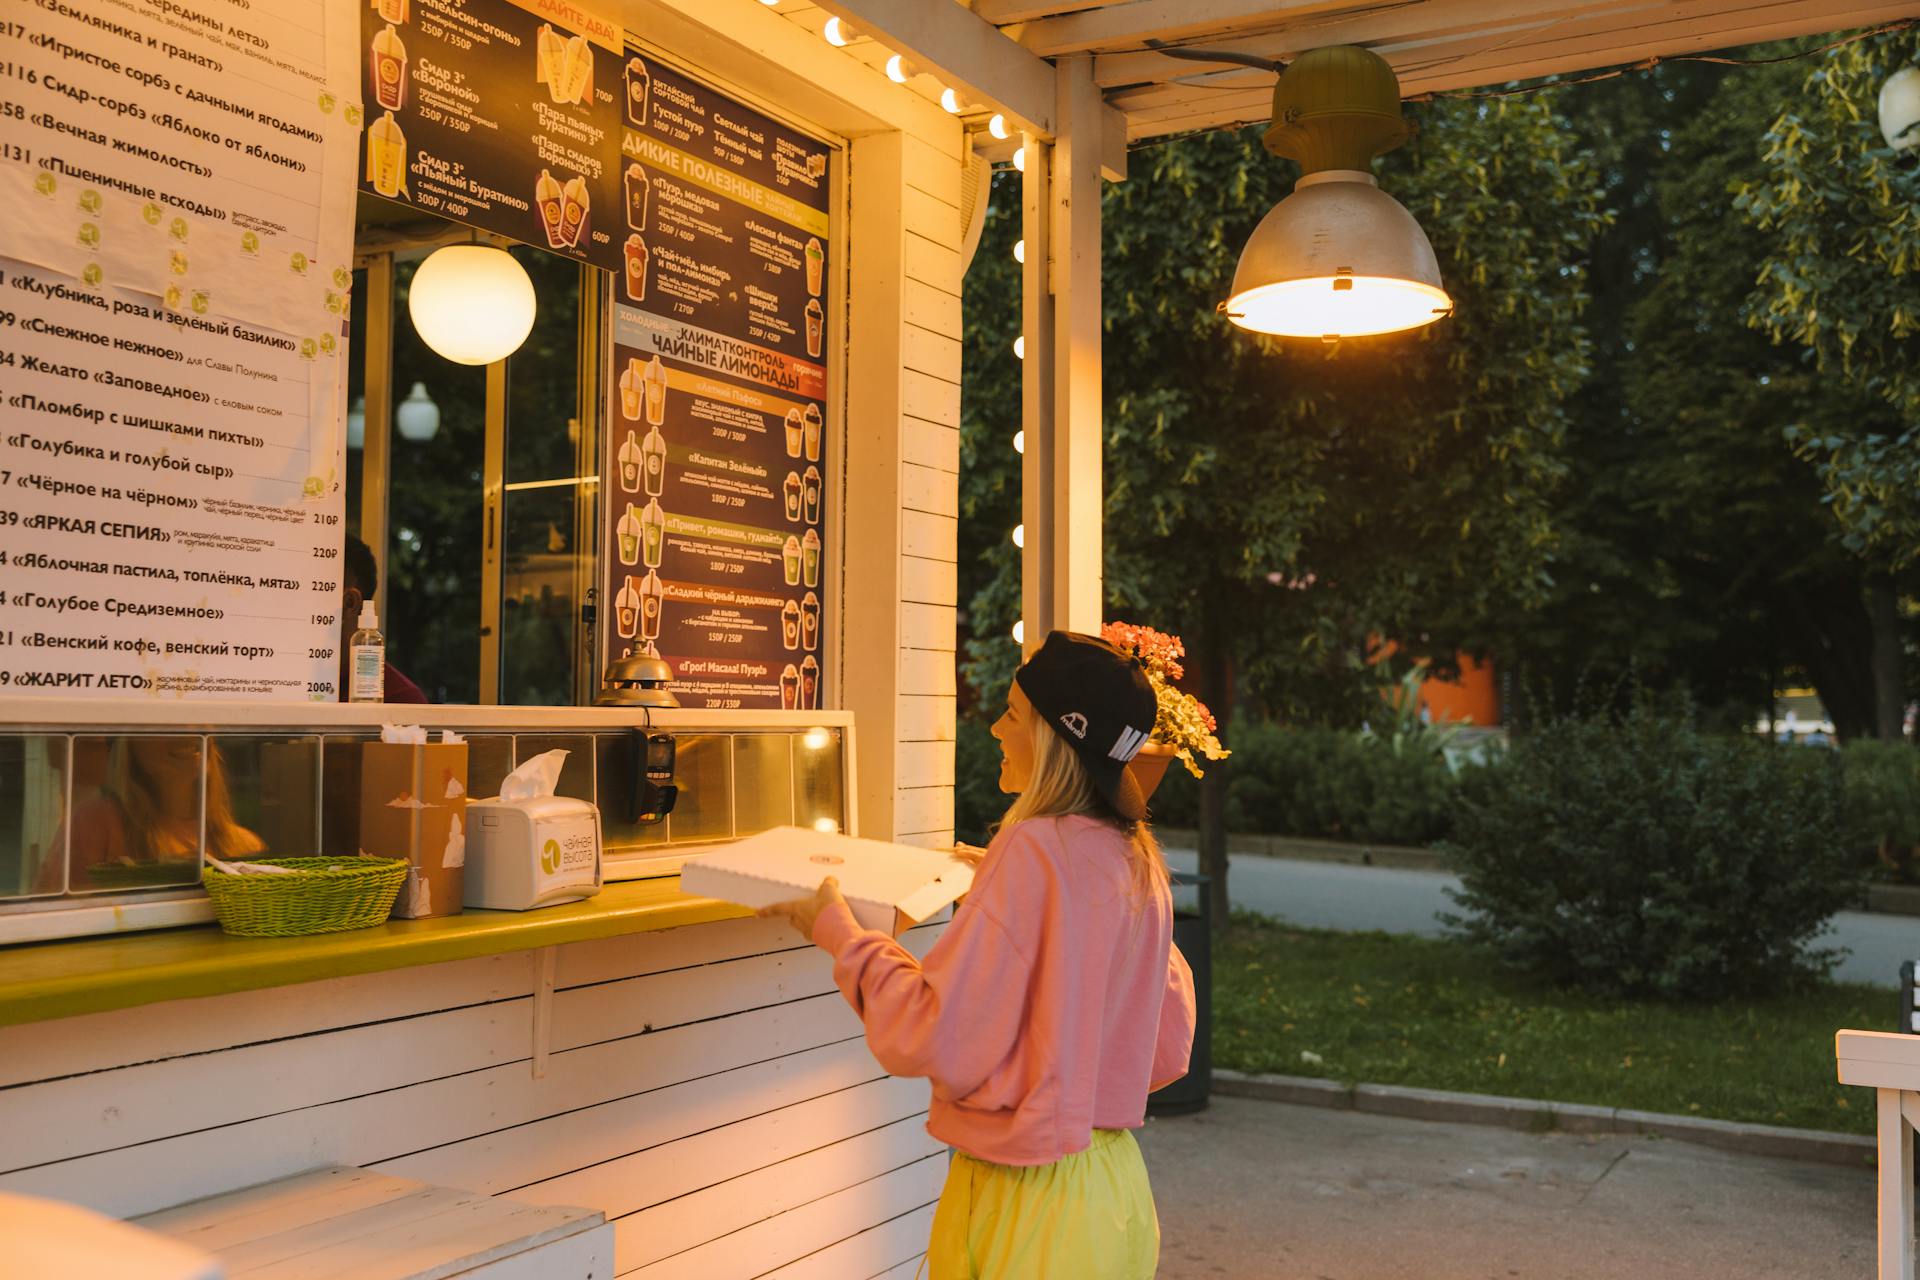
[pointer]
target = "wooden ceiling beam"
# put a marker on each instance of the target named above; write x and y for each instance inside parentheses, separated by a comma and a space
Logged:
(970, 53)
(1127, 26)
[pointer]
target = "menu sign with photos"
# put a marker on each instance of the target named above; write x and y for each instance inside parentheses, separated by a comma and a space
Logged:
(716, 472)
(498, 114)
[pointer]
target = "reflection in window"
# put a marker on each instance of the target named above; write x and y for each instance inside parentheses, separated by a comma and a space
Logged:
(276, 790)
(33, 794)
(137, 815)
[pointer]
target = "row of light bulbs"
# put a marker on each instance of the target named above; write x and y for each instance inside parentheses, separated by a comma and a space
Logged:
(838, 34)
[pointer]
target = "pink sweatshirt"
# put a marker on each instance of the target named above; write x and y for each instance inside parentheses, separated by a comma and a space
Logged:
(1049, 1008)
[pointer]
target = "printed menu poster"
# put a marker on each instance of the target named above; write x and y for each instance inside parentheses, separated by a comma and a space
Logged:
(716, 510)
(175, 263)
(499, 114)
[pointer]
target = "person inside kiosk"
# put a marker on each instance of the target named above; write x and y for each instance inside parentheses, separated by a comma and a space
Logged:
(361, 579)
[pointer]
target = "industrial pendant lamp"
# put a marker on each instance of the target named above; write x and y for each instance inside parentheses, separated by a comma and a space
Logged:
(1339, 258)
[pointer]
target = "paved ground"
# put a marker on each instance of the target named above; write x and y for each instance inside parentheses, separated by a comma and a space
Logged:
(1332, 895)
(1261, 1191)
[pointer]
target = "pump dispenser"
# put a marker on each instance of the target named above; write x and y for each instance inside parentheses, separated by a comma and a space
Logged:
(367, 659)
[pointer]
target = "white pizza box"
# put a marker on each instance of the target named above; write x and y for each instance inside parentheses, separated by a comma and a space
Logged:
(876, 878)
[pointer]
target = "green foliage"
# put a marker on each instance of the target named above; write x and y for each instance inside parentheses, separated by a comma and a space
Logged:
(1839, 283)
(1883, 807)
(1277, 503)
(1394, 1009)
(978, 801)
(1635, 855)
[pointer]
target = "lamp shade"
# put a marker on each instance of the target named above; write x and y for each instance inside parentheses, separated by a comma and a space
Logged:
(1900, 109)
(1339, 258)
(471, 303)
(417, 417)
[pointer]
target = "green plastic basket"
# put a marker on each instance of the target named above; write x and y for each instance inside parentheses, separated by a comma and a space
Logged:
(324, 895)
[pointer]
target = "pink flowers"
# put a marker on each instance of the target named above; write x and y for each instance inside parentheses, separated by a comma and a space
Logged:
(1183, 722)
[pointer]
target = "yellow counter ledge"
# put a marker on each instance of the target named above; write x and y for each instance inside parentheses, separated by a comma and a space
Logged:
(91, 975)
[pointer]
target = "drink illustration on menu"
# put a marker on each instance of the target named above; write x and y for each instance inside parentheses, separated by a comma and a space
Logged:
(626, 607)
(719, 458)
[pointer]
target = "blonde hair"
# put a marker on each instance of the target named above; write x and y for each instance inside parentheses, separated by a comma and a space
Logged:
(129, 783)
(1060, 787)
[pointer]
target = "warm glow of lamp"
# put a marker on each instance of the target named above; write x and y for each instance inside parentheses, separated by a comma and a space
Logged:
(838, 34)
(897, 69)
(815, 739)
(1338, 258)
(1020, 535)
(1020, 632)
(951, 101)
(1020, 159)
(471, 303)
(1019, 442)
(1020, 347)
(1019, 250)
(997, 125)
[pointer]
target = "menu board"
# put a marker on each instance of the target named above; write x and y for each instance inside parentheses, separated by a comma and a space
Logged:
(717, 529)
(176, 237)
(499, 114)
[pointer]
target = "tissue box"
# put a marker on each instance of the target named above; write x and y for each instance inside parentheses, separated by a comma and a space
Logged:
(876, 878)
(413, 805)
(537, 852)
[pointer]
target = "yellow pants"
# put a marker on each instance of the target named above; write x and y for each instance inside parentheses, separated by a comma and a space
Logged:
(1087, 1216)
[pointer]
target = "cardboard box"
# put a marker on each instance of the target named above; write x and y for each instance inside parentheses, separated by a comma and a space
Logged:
(876, 878)
(413, 805)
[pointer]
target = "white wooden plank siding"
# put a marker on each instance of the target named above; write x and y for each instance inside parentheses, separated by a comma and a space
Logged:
(708, 1090)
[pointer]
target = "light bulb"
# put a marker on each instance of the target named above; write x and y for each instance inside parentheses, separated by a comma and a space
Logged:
(837, 33)
(1019, 442)
(471, 303)
(951, 101)
(1020, 159)
(1020, 632)
(826, 826)
(816, 738)
(1020, 535)
(1019, 250)
(1020, 347)
(769, 3)
(997, 125)
(897, 69)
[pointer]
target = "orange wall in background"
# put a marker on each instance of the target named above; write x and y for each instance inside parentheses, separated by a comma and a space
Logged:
(1473, 696)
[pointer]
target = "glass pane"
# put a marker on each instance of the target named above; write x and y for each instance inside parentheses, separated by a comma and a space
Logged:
(703, 769)
(762, 782)
(543, 376)
(618, 830)
(489, 759)
(340, 797)
(33, 797)
(356, 398)
(136, 813)
(275, 789)
(818, 794)
(537, 608)
(435, 512)
(576, 775)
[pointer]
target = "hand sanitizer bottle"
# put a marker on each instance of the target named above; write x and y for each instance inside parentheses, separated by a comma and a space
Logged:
(367, 659)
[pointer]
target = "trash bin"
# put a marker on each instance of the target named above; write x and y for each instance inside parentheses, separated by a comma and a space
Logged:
(1193, 934)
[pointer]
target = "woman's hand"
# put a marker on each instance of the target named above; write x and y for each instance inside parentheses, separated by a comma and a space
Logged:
(804, 911)
(969, 854)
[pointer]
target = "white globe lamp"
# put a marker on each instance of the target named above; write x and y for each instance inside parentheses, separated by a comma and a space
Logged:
(417, 417)
(471, 303)
(1900, 110)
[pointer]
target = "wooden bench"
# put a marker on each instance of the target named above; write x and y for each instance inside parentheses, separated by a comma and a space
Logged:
(341, 1222)
(1890, 1065)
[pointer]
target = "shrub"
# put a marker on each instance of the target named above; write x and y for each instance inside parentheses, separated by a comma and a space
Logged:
(1636, 855)
(1883, 807)
(977, 799)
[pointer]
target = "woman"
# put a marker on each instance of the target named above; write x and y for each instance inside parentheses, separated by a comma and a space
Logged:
(1054, 1002)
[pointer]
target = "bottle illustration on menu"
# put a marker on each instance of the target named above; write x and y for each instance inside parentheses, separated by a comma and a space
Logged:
(564, 64)
(790, 560)
(816, 320)
(810, 622)
(638, 187)
(795, 430)
(812, 431)
(653, 533)
(629, 458)
(816, 265)
(653, 461)
(394, 11)
(389, 55)
(790, 688)
(550, 198)
(626, 608)
(575, 201)
(810, 557)
(636, 275)
(637, 83)
(790, 492)
(809, 683)
(632, 392)
(790, 625)
(655, 375)
(810, 495)
(628, 532)
(387, 156)
(652, 599)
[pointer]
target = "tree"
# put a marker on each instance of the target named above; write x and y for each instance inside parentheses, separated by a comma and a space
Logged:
(1281, 504)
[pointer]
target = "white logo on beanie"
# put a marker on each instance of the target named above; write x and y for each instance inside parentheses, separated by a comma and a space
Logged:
(1128, 745)
(1076, 724)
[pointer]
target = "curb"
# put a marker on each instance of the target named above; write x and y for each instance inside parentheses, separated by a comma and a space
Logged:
(1534, 1116)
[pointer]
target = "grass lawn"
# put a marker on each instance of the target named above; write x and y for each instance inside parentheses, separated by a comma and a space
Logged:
(1392, 1009)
